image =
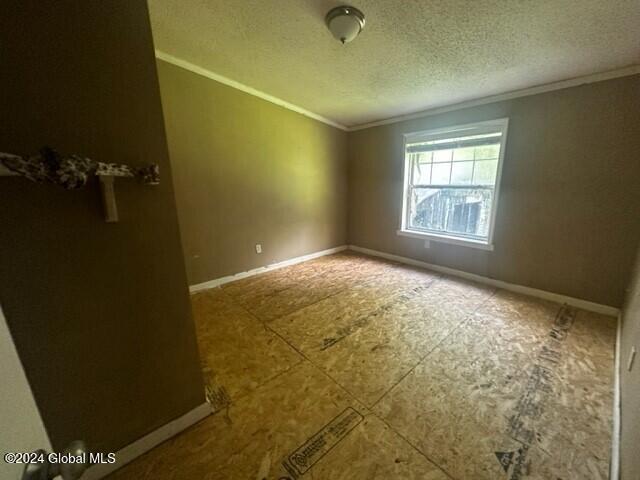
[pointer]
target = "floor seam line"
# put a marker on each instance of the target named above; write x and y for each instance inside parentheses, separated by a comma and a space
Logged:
(305, 357)
(460, 324)
(438, 276)
(370, 312)
(420, 452)
(253, 390)
(324, 372)
(288, 313)
(320, 369)
(267, 326)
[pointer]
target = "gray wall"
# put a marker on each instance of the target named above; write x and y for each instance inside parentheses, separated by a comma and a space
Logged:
(567, 220)
(630, 381)
(248, 172)
(99, 312)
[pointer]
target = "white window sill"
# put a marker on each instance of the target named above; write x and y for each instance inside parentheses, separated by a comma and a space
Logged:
(465, 242)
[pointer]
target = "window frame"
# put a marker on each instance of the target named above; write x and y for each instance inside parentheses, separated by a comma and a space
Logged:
(499, 124)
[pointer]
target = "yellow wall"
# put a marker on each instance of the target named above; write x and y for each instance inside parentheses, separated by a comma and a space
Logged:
(567, 219)
(246, 172)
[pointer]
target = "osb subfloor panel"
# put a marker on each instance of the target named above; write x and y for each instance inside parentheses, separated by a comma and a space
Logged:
(349, 367)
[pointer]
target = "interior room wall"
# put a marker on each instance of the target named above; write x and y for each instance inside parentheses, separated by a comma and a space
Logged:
(630, 380)
(249, 172)
(567, 219)
(99, 312)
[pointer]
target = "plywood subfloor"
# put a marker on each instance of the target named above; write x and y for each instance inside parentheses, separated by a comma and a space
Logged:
(349, 367)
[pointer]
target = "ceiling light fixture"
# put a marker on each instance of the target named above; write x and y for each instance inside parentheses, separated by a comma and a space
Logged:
(345, 23)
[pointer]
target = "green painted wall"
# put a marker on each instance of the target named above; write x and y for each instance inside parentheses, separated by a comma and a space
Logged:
(247, 171)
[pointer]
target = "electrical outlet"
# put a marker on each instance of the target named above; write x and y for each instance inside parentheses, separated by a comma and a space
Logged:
(427, 244)
(632, 357)
(258, 248)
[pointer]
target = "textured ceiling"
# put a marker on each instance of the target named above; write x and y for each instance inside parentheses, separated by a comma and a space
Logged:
(412, 54)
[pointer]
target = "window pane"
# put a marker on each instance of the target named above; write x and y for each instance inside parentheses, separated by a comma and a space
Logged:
(442, 155)
(461, 173)
(441, 173)
(462, 211)
(485, 172)
(487, 152)
(453, 173)
(424, 157)
(422, 171)
(461, 154)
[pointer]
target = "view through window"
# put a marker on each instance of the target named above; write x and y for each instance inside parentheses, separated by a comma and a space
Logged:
(451, 180)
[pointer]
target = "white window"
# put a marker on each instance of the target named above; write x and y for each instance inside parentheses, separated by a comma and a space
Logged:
(452, 177)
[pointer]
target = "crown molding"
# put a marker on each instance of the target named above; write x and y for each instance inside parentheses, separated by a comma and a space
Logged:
(244, 88)
(548, 87)
(525, 92)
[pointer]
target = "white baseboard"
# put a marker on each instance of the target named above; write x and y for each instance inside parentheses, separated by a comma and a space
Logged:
(285, 263)
(614, 471)
(533, 292)
(146, 443)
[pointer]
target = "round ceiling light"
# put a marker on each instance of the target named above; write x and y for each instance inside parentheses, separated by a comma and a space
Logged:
(345, 23)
